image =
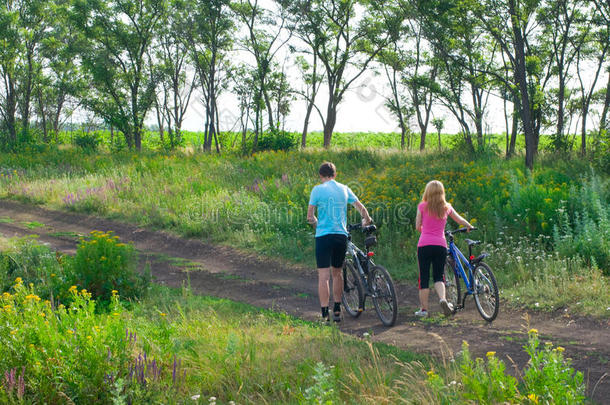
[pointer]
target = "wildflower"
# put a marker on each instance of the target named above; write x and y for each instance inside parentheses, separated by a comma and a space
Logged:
(73, 289)
(18, 280)
(70, 332)
(163, 314)
(533, 331)
(431, 373)
(42, 314)
(533, 398)
(560, 349)
(14, 332)
(32, 297)
(195, 397)
(52, 274)
(89, 337)
(114, 292)
(103, 258)
(115, 313)
(490, 354)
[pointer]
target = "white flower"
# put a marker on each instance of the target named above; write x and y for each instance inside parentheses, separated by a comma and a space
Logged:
(536, 305)
(195, 397)
(365, 335)
(212, 399)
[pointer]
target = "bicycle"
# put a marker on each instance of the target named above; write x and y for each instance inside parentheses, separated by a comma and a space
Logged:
(363, 278)
(479, 280)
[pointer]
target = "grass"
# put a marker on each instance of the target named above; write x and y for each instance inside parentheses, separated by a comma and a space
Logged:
(174, 347)
(258, 204)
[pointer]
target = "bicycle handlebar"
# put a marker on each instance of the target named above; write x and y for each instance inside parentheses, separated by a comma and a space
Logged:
(366, 229)
(460, 230)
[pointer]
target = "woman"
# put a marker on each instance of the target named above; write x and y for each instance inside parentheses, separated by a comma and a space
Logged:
(432, 213)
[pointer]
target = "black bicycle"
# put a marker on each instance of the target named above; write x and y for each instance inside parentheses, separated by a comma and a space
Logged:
(363, 278)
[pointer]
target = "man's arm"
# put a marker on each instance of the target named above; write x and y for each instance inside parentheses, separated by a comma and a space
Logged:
(311, 217)
(366, 218)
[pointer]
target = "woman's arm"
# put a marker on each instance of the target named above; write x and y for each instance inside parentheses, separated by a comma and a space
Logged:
(418, 220)
(458, 218)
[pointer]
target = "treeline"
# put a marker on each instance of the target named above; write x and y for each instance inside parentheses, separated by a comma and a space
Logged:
(123, 61)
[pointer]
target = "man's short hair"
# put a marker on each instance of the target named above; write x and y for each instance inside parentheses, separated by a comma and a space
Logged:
(327, 169)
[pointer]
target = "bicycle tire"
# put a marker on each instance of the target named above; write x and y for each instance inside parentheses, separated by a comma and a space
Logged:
(353, 293)
(452, 287)
(383, 295)
(486, 295)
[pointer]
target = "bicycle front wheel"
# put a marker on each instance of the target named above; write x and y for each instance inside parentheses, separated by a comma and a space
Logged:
(452, 287)
(486, 294)
(353, 293)
(383, 295)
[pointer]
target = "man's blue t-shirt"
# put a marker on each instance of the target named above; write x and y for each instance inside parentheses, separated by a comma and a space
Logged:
(331, 199)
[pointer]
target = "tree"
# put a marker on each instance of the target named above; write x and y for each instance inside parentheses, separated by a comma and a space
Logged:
(348, 34)
(117, 38)
(265, 36)
(438, 123)
(172, 53)
(602, 20)
(208, 29)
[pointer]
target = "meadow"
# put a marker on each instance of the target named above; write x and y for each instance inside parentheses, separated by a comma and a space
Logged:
(548, 230)
(62, 343)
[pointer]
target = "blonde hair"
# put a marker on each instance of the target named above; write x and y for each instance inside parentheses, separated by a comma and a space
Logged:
(434, 195)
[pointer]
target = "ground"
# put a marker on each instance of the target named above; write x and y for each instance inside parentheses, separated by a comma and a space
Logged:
(223, 271)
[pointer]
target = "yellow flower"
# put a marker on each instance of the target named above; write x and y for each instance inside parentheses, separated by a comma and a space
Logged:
(431, 373)
(14, 332)
(43, 314)
(115, 313)
(32, 297)
(70, 332)
(163, 314)
(73, 289)
(18, 280)
(560, 349)
(114, 292)
(533, 331)
(52, 274)
(533, 398)
(491, 354)
(83, 291)
(103, 258)
(89, 337)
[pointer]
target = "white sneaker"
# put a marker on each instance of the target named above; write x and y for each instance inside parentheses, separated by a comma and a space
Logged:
(422, 313)
(447, 307)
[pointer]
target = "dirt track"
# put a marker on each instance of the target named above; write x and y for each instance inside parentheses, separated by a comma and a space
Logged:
(226, 272)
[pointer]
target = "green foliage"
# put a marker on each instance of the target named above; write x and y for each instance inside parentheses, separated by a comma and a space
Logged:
(88, 142)
(548, 377)
(322, 392)
(276, 140)
(105, 266)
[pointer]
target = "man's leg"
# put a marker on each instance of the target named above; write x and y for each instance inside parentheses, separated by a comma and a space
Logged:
(324, 289)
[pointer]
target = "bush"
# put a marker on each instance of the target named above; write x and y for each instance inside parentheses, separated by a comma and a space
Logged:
(33, 263)
(103, 264)
(87, 141)
(276, 140)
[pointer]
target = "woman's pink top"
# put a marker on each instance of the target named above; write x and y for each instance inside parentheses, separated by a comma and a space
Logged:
(432, 228)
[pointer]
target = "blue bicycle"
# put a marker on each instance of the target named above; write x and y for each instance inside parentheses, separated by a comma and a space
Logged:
(478, 278)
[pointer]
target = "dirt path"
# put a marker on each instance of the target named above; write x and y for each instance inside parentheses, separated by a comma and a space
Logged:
(226, 272)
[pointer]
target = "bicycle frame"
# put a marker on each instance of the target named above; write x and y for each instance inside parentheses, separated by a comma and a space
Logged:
(354, 252)
(458, 258)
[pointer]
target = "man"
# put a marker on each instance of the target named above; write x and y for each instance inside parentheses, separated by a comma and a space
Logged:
(331, 199)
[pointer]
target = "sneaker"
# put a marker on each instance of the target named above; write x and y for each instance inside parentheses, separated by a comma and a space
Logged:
(421, 313)
(337, 316)
(447, 307)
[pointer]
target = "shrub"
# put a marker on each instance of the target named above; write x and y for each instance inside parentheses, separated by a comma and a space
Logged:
(33, 263)
(103, 264)
(276, 140)
(87, 141)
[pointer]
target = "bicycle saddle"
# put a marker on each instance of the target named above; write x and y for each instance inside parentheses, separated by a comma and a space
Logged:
(472, 242)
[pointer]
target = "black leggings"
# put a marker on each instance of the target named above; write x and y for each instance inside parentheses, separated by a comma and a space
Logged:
(431, 255)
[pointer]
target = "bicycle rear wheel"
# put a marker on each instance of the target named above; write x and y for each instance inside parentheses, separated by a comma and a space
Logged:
(353, 293)
(486, 295)
(452, 287)
(383, 295)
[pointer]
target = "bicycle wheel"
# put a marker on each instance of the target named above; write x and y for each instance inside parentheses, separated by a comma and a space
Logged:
(452, 287)
(353, 293)
(486, 294)
(383, 295)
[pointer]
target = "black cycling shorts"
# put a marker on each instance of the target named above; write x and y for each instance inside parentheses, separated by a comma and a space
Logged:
(431, 255)
(330, 250)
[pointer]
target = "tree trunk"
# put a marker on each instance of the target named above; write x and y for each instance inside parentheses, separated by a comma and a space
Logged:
(560, 109)
(583, 144)
(603, 122)
(329, 125)
(521, 81)
(439, 141)
(422, 140)
(43, 116)
(513, 134)
(306, 124)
